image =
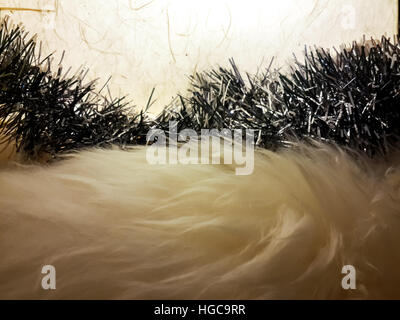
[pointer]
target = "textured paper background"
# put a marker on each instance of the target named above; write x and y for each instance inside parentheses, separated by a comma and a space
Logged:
(159, 42)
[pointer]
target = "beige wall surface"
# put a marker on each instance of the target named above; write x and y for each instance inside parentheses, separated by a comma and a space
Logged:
(158, 43)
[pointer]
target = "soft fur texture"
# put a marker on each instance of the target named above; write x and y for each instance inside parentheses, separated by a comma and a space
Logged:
(116, 227)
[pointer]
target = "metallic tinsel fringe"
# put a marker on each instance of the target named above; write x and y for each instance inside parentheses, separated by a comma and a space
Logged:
(350, 98)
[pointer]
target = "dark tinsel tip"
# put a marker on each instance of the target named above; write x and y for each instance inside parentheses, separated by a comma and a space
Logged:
(42, 111)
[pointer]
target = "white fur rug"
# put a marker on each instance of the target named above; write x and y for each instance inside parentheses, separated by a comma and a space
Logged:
(116, 227)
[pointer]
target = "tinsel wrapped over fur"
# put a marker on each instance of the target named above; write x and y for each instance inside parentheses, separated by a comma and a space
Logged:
(115, 226)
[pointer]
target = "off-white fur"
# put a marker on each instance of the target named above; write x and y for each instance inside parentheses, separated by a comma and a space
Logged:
(117, 227)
